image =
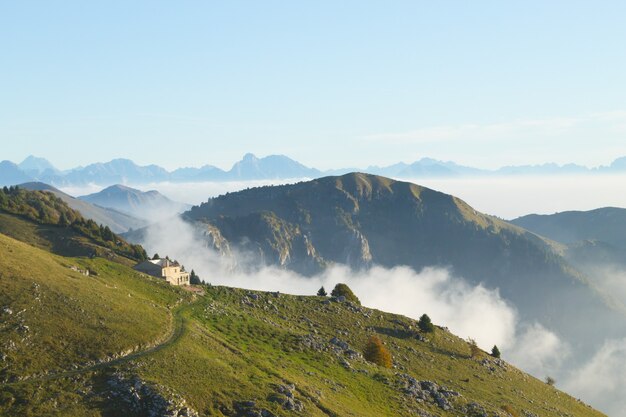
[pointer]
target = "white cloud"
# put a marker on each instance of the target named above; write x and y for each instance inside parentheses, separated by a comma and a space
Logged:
(538, 351)
(602, 380)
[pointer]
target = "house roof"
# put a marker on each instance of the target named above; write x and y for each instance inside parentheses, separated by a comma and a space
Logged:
(164, 262)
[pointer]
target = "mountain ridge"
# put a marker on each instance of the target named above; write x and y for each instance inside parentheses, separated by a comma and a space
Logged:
(272, 167)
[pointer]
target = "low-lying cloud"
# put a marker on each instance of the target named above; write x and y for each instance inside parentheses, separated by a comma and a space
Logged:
(602, 379)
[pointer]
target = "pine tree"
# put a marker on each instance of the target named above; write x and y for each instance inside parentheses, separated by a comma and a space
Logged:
(322, 292)
(155, 257)
(377, 353)
(425, 324)
(194, 279)
(495, 352)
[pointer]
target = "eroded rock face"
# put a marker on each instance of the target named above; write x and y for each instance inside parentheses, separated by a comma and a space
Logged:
(141, 398)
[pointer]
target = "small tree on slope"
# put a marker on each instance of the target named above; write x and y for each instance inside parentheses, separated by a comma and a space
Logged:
(345, 291)
(377, 353)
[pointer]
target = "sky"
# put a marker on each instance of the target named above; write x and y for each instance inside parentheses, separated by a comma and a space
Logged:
(331, 84)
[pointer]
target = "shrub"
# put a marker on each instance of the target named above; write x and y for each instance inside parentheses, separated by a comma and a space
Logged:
(474, 349)
(425, 324)
(377, 353)
(550, 381)
(345, 291)
(322, 292)
(495, 352)
(509, 410)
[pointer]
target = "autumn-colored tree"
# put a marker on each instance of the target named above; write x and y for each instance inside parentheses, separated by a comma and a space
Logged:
(509, 410)
(377, 353)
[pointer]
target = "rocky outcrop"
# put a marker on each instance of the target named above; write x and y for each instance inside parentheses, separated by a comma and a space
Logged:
(141, 398)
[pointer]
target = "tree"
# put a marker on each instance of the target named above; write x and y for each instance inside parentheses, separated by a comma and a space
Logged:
(495, 352)
(194, 279)
(322, 292)
(377, 353)
(342, 290)
(425, 324)
(155, 257)
(474, 349)
(550, 381)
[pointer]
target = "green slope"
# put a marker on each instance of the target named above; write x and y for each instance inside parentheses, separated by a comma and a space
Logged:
(229, 352)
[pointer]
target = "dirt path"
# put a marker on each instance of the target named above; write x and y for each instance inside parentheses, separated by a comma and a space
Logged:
(176, 331)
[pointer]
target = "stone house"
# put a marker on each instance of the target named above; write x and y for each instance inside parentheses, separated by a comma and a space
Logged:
(164, 268)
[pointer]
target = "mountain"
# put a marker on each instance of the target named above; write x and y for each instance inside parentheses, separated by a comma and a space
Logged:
(35, 166)
(115, 172)
(204, 173)
(424, 168)
(269, 167)
(544, 169)
(595, 243)
(361, 220)
(11, 174)
(86, 336)
(606, 224)
(118, 222)
(148, 205)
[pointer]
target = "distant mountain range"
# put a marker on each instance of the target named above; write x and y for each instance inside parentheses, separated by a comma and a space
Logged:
(273, 167)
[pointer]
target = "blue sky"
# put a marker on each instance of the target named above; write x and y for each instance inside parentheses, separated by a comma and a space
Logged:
(329, 83)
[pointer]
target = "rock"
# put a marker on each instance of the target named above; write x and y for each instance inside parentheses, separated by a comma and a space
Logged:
(340, 343)
(425, 391)
(284, 396)
(144, 399)
(7, 310)
(340, 299)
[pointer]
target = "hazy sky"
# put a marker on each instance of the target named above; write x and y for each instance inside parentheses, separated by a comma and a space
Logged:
(330, 83)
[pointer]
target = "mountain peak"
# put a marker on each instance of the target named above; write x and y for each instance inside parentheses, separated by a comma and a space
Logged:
(36, 165)
(249, 157)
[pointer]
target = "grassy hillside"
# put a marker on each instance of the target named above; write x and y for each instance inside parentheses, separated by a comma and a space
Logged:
(118, 222)
(230, 352)
(42, 218)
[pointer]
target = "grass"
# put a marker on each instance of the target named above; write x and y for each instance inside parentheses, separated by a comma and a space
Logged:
(231, 348)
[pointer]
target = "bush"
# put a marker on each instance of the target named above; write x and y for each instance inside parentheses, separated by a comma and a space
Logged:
(345, 291)
(509, 410)
(495, 352)
(377, 353)
(425, 324)
(474, 349)
(550, 381)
